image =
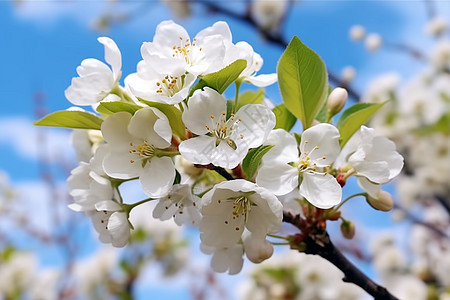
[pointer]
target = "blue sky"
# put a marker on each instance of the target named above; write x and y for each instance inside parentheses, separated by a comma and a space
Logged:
(43, 42)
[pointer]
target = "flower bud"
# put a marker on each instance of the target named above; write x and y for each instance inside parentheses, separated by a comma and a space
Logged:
(357, 32)
(373, 42)
(348, 73)
(348, 229)
(383, 202)
(436, 26)
(336, 100)
(257, 250)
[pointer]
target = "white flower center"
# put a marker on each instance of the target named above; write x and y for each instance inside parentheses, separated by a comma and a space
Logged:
(185, 50)
(170, 85)
(223, 129)
(144, 152)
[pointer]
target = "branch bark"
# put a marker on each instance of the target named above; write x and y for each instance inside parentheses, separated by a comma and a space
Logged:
(320, 244)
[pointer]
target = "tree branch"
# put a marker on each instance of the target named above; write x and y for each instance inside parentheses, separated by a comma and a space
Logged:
(320, 244)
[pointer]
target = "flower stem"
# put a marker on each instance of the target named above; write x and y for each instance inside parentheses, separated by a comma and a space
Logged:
(278, 236)
(348, 198)
(129, 207)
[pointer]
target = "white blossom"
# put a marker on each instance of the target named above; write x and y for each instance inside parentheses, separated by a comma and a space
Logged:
(357, 32)
(133, 145)
(232, 206)
(96, 80)
(373, 42)
(373, 159)
(436, 26)
(284, 164)
(221, 141)
(180, 204)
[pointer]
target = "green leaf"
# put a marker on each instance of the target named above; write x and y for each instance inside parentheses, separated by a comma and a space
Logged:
(322, 114)
(71, 119)
(221, 79)
(110, 108)
(173, 114)
(441, 126)
(252, 161)
(303, 81)
(250, 97)
(355, 116)
(285, 119)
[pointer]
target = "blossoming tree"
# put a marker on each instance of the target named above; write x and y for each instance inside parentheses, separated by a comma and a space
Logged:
(235, 168)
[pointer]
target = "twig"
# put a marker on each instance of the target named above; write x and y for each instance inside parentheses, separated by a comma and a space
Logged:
(417, 221)
(320, 244)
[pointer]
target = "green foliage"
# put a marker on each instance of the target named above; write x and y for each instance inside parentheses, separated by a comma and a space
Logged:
(253, 159)
(250, 97)
(353, 117)
(221, 79)
(441, 126)
(285, 119)
(303, 81)
(109, 108)
(173, 114)
(71, 119)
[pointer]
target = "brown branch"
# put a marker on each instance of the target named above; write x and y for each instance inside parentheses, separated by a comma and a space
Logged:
(320, 244)
(417, 221)
(275, 38)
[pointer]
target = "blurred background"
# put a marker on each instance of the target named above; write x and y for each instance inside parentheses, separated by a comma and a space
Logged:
(400, 50)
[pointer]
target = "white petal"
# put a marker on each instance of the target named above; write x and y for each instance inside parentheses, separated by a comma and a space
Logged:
(168, 34)
(119, 229)
(219, 28)
(201, 106)
(321, 191)
(198, 150)
(326, 138)
(122, 165)
(278, 178)
(151, 125)
(262, 80)
(158, 176)
(226, 157)
(370, 188)
(285, 148)
(108, 205)
(115, 129)
(228, 259)
(112, 55)
(256, 123)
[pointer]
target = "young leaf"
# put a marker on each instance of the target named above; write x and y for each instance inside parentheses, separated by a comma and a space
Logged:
(252, 161)
(250, 97)
(353, 117)
(173, 114)
(71, 119)
(303, 81)
(110, 108)
(285, 119)
(221, 79)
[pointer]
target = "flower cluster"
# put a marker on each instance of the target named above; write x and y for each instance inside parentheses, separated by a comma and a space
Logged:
(229, 167)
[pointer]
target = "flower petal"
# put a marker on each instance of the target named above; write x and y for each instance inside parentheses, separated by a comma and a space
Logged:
(278, 178)
(322, 191)
(205, 109)
(256, 123)
(322, 143)
(112, 55)
(198, 150)
(158, 176)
